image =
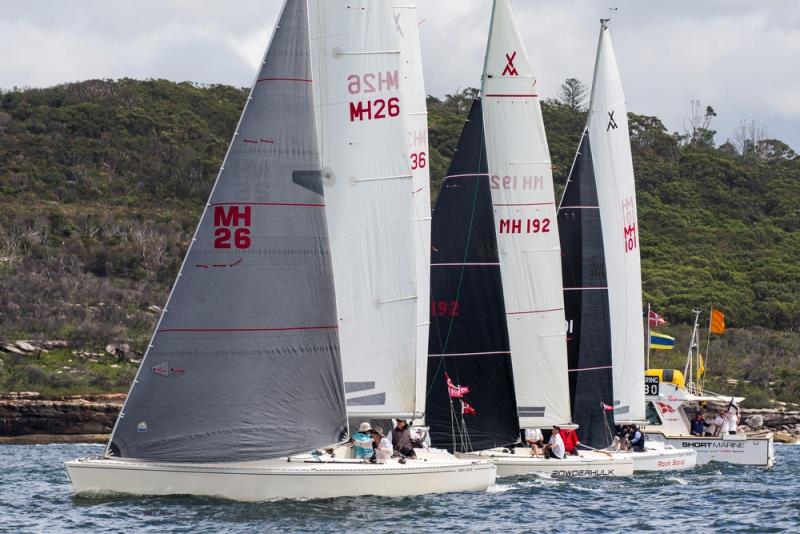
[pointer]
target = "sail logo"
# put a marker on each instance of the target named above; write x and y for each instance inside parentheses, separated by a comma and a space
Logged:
(517, 182)
(232, 227)
(612, 123)
(531, 226)
(510, 69)
(665, 408)
(630, 238)
(141, 427)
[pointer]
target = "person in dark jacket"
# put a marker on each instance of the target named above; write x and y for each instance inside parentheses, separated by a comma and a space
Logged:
(698, 425)
(401, 440)
(636, 439)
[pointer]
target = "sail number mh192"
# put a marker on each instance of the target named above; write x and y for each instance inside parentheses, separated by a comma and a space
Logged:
(374, 82)
(232, 227)
(526, 226)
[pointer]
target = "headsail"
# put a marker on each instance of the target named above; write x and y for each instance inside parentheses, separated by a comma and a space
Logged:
(367, 178)
(616, 193)
(525, 222)
(468, 337)
(416, 117)
(244, 363)
(586, 301)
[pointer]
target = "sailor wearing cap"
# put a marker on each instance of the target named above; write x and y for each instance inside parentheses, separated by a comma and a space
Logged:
(383, 447)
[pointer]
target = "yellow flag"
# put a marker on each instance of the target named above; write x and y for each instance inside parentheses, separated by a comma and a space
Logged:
(701, 365)
(717, 322)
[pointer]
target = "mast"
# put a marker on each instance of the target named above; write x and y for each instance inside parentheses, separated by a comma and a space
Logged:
(616, 193)
(468, 334)
(367, 176)
(244, 362)
(416, 116)
(521, 182)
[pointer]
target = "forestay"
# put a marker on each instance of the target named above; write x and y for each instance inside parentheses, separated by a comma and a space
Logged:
(521, 183)
(244, 363)
(616, 191)
(415, 110)
(368, 189)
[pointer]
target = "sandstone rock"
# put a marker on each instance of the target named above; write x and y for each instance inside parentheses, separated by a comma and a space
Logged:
(111, 348)
(24, 345)
(783, 437)
(11, 348)
(154, 309)
(124, 348)
(55, 344)
(755, 421)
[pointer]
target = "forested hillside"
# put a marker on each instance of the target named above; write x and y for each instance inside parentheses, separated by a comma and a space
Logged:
(101, 183)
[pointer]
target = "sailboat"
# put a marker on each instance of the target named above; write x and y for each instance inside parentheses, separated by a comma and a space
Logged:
(243, 375)
(672, 400)
(602, 276)
(498, 325)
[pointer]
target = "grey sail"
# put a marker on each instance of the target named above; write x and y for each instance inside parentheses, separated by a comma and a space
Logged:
(245, 362)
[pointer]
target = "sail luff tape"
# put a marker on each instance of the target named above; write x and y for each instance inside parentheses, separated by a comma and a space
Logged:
(399, 176)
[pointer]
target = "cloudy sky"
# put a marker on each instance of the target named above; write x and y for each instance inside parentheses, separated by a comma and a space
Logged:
(740, 56)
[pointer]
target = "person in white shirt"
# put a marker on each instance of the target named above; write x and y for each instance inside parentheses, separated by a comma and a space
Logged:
(717, 423)
(381, 444)
(535, 440)
(555, 447)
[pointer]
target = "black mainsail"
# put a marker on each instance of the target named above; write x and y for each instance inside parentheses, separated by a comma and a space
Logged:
(245, 363)
(586, 301)
(468, 336)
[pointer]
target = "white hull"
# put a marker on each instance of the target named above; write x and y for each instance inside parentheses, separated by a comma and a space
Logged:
(735, 449)
(522, 463)
(301, 478)
(656, 457)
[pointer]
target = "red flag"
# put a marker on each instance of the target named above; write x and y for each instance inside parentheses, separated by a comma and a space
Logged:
(655, 319)
(606, 407)
(466, 409)
(455, 392)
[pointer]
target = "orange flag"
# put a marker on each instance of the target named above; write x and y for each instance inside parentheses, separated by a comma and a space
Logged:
(717, 322)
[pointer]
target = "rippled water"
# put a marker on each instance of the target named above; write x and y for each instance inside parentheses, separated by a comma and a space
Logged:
(35, 495)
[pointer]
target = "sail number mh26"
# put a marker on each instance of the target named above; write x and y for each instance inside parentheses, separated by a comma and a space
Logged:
(373, 108)
(232, 227)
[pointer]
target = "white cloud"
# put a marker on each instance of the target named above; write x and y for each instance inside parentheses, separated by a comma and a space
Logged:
(736, 55)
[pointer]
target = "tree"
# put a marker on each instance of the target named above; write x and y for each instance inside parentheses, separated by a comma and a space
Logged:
(573, 93)
(747, 138)
(696, 125)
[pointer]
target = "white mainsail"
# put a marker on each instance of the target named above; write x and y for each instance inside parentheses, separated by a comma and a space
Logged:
(521, 182)
(616, 192)
(368, 193)
(415, 110)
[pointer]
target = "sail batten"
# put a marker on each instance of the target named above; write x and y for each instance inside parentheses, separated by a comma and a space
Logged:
(244, 362)
(526, 228)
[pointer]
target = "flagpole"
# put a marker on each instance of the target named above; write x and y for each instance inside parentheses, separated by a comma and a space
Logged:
(647, 366)
(708, 344)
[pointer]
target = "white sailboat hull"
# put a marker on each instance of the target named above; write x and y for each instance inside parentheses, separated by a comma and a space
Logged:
(735, 449)
(656, 457)
(513, 464)
(301, 478)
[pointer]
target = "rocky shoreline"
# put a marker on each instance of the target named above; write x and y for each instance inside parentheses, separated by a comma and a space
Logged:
(27, 417)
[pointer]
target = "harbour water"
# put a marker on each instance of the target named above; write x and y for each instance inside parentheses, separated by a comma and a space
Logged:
(35, 496)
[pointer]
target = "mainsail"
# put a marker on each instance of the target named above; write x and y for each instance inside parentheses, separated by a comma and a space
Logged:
(368, 189)
(244, 363)
(616, 195)
(468, 335)
(525, 223)
(586, 301)
(415, 111)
